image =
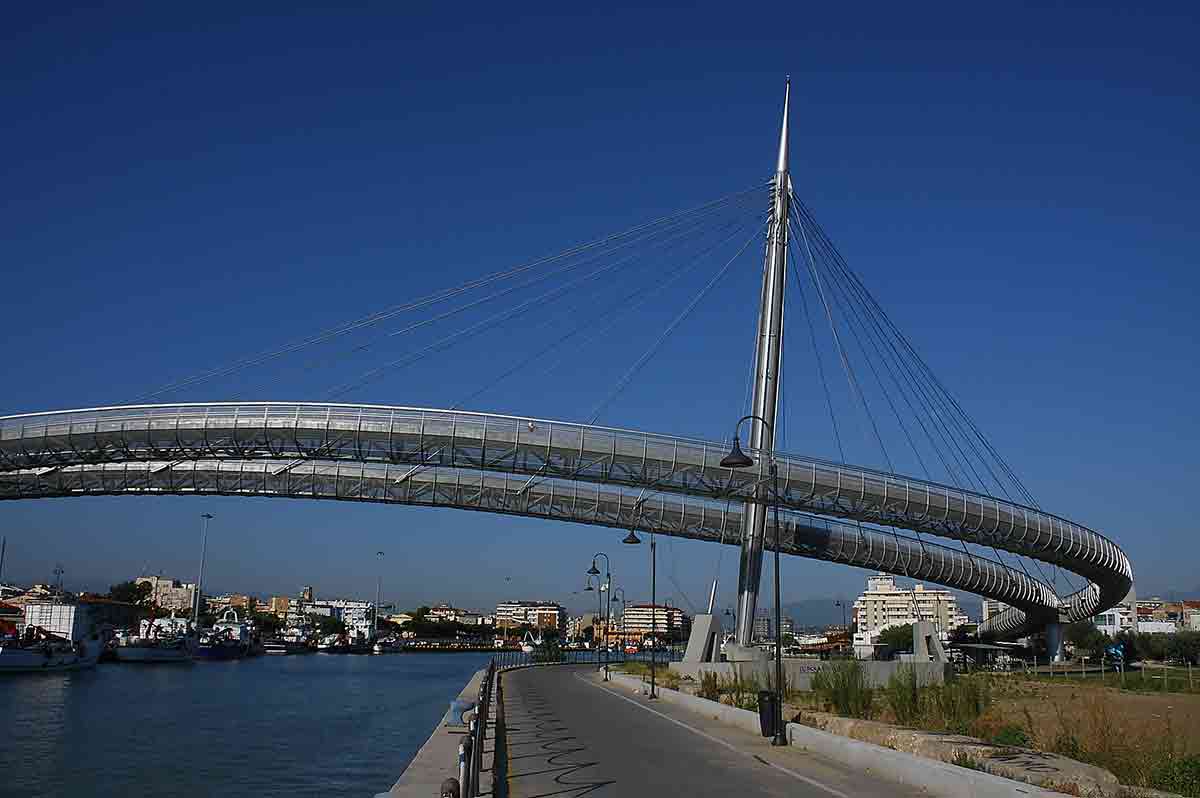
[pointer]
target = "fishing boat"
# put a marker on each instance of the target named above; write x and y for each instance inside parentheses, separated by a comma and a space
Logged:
(530, 643)
(295, 640)
(333, 644)
(229, 638)
(161, 640)
(42, 652)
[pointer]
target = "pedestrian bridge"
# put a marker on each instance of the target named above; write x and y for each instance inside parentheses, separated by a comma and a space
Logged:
(563, 471)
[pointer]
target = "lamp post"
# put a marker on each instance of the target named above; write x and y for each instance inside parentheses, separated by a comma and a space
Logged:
(200, 579)
(378, 593)
(632, 539)
(603, 586)
(738, 459)
(624, 641)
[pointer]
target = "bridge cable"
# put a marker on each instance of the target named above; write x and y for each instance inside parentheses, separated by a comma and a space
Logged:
(610, 315)
(479, 326)
(856, 285)
(649, 353)
(876, 312)
(676, 231)
(438, 296)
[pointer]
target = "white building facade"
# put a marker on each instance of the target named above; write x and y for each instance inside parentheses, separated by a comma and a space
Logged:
(884, 604)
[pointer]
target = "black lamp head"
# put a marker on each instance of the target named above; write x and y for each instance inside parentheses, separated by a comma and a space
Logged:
(632, 538)
(736, 457)
(593, 570)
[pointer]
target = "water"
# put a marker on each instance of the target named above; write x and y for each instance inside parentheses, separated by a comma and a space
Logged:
(309, 725)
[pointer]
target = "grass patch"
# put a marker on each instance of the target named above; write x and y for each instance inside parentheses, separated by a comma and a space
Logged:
(843, 685)
(955, 706)
(663, 676)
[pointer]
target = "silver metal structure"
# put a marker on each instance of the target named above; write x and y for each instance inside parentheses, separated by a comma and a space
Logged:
(768, 350)
(559, 470)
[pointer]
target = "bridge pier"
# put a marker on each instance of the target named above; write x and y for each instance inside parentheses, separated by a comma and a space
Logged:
(1054, 640)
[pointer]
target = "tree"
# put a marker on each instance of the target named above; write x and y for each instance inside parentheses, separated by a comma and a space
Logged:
(897, 638)
(1086, 638)
(1185, 647)
(326, 625)
(131, 592)
(268, 622)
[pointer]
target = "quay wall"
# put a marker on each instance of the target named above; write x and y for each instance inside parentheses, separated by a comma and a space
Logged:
(437, 759)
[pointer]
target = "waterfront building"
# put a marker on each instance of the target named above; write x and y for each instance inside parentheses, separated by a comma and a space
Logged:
(278, 606)
(545, 615)
(762, 626)
(245, 605)
(787, 626)
(445, 612)
(640, 620)
(307, 594)
(582, 626)
(169, 594)
(884, 604)
(1114, 621)
(991, 608)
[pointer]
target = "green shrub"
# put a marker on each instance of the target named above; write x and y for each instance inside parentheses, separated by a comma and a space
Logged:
(710, 686)
(903, 697)
(843, 685)
(1178, 774)
(1011, 735)
(958, 703)
(742, 691)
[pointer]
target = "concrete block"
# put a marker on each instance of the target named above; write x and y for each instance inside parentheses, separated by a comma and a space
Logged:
(704, 643)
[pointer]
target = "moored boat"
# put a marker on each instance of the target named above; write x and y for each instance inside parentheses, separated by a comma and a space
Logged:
(163, 640)
(46, 653)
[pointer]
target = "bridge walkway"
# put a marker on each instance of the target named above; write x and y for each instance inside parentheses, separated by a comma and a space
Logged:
(570, 734)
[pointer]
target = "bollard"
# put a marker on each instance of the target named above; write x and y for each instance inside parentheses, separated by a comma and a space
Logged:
(464, 768)
(450, 789)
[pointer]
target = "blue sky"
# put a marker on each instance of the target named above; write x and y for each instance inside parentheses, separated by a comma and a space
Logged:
(1018, 186)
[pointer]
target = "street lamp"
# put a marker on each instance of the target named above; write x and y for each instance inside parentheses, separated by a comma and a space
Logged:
(594, 571)
(739, 459)
(632, 539)
(378, 592)
(624, 640)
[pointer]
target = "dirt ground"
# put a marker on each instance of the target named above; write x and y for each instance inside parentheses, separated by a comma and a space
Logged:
(1048, 710)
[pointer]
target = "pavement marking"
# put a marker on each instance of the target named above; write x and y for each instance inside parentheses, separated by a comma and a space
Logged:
(717, 740)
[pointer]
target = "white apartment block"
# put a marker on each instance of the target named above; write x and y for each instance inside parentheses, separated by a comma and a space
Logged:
(538, 614)
(643, 619)
(169, 594)
(885, 604)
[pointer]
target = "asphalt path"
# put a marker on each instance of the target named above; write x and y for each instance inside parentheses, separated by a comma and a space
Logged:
(570, 734)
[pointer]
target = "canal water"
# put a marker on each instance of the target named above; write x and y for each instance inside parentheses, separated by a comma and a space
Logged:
(311, 725)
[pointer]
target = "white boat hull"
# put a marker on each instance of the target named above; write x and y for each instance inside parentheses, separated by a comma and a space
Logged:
(40, 659)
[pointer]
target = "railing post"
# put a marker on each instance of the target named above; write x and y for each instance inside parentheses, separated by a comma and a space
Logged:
(464, 766)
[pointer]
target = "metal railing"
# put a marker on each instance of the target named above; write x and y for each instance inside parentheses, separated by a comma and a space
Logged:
(406, 442)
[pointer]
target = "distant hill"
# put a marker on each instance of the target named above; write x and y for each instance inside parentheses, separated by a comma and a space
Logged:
(812, 612)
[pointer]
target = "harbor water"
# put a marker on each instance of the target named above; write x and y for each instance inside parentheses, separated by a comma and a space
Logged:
(307, 725)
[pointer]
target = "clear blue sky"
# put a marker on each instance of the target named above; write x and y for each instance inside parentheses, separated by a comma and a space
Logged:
(183, 187)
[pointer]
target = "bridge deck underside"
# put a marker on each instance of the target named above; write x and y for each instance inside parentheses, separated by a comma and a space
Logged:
(64, 452)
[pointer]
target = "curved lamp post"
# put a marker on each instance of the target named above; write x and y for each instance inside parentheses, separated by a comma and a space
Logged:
(624, 641)
(739, 459)
(594, 571)
(632, 539)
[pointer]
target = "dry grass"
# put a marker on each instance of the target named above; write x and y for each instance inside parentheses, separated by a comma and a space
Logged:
(1145, 740)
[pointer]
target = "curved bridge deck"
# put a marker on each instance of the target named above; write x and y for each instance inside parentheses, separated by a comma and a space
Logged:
(363, 452)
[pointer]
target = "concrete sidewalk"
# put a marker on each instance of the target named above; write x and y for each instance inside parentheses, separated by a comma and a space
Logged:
(570, 734)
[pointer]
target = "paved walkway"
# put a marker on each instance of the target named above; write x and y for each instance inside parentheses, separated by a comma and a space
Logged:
(569, 734)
